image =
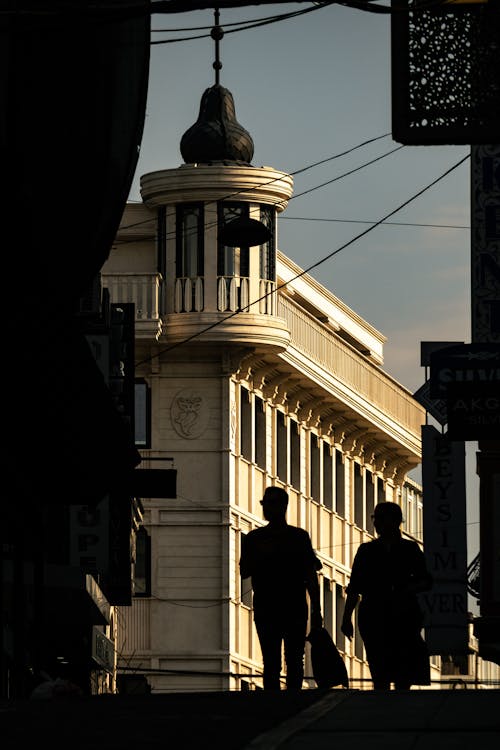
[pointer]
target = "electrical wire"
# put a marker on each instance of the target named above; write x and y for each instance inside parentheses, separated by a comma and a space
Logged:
(367, 6)
(245, 26)
(152, 220)
(386, 223)
(115, 12)
(296, 172)
(276, 179)
(313, 265)
(346, 174)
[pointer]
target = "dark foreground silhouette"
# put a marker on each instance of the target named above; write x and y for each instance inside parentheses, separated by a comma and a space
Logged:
(387, 573)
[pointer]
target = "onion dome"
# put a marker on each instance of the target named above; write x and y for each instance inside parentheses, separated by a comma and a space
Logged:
(217, 136)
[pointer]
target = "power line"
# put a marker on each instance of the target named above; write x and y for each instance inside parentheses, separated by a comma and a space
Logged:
(388, 223)
(346, 174)
(276, 179)
(313, 265)
(321, 219)
(266, 20)
(249, 25)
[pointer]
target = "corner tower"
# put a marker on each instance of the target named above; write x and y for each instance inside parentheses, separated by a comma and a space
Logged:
(217, 286)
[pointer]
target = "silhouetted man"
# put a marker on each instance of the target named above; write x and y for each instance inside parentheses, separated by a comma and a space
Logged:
(283, 567)
(387, 573)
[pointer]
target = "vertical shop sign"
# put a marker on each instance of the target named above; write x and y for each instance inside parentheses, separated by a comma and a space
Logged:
(445, 543)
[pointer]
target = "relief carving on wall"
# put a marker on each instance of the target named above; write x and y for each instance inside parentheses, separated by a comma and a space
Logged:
(189, 413)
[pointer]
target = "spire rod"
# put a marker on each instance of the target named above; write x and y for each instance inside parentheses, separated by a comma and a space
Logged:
(217, 32)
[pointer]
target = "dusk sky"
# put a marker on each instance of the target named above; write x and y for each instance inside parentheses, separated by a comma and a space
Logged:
(307, 89)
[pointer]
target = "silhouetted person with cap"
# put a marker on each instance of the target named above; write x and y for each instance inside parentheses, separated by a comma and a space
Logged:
(387, 573)
(283, 567)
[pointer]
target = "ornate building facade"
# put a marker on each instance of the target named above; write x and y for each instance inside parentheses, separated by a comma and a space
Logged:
(249, 373)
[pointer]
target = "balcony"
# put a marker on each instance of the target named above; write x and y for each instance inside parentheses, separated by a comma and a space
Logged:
(143, 289)
(336, 365)
(343, 368)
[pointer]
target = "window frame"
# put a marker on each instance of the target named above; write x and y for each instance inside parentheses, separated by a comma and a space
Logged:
(146, 420)
(181, 256)
(240, 256)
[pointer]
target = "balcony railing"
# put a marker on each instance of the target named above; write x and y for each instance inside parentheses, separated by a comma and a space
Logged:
(267, 297)
(232, 293)
(189, 294)
(340, 360)
(308, 335)
(143, 289)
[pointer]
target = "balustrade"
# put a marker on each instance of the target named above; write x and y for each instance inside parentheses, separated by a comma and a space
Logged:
(339, 359)
(189, 294)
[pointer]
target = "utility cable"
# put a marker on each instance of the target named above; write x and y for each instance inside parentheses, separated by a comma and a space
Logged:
(346, 174)
(276, 179)
(250, 25)
(313, 265)
(387, 223)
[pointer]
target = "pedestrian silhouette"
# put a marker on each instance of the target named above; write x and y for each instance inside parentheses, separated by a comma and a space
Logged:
(387, 574)
(283, 567)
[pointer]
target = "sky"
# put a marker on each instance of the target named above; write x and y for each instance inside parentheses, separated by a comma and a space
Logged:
(307, 89)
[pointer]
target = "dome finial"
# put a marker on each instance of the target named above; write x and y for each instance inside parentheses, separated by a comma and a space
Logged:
(217, 33)
(217, 135)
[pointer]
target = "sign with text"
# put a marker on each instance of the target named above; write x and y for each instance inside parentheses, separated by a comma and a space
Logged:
(477, 364)
(467, 377)
(103, 650)
(445, 543)
(473, 411)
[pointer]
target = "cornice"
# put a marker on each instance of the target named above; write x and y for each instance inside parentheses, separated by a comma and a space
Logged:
(243, 329)
(209, 182)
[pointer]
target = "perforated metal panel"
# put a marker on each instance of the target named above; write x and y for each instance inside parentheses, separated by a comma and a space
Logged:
(445, 73)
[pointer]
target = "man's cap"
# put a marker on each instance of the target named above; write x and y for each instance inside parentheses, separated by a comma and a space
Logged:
(275, 496)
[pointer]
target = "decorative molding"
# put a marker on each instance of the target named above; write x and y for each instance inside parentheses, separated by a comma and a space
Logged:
(260, 374)
(233, 419)
(207, 183)
(189, 413)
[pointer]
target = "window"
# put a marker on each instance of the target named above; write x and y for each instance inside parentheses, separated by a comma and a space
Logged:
(419, 518)
(142, 566)
(380, 490)
(161, 254)
(314, 466)
(245, 424)
(281, 447)
(161, 241)
(327, 477)
(260, 432)
(370, 502)
(232, 261)
(358, 496)
(267, 265)
(142, 414)
(339, 484)
(339, 613)
(295, 454)
(246, 597)
(189, 238)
